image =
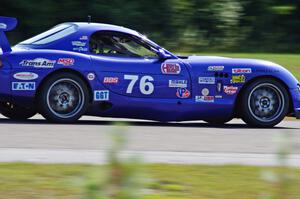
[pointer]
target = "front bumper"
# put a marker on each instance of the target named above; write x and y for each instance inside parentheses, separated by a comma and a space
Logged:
(297, 113)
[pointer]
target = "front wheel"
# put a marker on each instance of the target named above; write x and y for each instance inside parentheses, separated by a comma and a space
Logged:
(15, 112)
(264, 103)
(63, 98)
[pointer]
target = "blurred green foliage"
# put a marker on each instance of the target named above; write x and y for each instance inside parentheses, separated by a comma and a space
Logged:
(181, 25)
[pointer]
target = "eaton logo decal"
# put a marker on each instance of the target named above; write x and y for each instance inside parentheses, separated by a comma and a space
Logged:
(3, 26)
(26, 76)
(23, 86)
(207, 80)
(101, 95)
(38, 63)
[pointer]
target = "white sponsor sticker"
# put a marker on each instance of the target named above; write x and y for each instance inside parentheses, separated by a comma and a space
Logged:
(230, 90)
(79, 43)
(170, 68)
(205, 92)
(38, 63)
(215, 68)
(207, 80)
(3, 26)
(23, 86)
(101, 95)
(209, 99)
(83, 37)
(91, 76)
(26, 76)
(177, 83)
(80, 49)
(241, 70)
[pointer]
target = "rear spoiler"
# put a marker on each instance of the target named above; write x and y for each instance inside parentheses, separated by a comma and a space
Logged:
(6, 24)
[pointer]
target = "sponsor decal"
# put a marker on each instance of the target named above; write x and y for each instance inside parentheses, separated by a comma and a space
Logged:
(66, 61)
(79, 43)
(218, 97)
(205, 92)
(110, 80)
(80, 49)
(219, 86)
(171, 69)
(238, 79)
(241, 70)
(38, 63)
(23, 86)
(230, 90)
(91, 76)
(26, 76)
(183, 93)
(206, 80)
(101, 95)
(177, 83)
(83, 37)
(3, 26)
(205, 99)
(215, 68)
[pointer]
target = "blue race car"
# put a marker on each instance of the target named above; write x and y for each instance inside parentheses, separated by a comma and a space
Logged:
(77, 69)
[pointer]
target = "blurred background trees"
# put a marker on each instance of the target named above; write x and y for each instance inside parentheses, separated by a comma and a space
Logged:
(180, 25)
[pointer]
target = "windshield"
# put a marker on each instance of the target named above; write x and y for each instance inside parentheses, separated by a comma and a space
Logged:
(51, 35)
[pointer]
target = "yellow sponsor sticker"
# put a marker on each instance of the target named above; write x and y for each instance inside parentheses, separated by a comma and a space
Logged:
(238, 79)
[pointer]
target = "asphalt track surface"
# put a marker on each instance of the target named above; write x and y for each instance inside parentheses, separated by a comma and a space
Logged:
(196, 142)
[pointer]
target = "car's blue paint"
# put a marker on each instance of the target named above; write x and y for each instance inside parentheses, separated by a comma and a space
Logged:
(163, 104)
(6, 24)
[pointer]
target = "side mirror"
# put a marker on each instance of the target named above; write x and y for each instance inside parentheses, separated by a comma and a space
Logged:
(163, 55)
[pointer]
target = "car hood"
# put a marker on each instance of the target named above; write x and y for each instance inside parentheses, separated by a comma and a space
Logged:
(196, 61)
(199, 65)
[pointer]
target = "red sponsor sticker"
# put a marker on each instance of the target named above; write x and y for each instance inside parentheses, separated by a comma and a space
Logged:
(173, 69)
(111, 80)
(241, 70)
(183, 93)
(66, 61)
(230, 90)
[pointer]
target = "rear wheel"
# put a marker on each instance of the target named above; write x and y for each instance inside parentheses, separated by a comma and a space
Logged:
(15, 112)
(63, 98)
(265, 103)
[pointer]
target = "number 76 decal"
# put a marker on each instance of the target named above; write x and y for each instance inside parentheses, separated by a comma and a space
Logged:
(146, 86)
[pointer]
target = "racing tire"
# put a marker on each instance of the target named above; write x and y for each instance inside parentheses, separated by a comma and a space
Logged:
(63, 98)
(264, 103)
(218, 121)
(15, 112)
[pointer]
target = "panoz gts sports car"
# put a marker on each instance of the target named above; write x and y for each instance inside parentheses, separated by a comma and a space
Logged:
(77, 69)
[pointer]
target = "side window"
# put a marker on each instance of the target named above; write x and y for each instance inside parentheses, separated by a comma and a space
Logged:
(118, 44)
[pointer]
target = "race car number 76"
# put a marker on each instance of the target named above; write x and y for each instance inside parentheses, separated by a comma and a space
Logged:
(146, 85)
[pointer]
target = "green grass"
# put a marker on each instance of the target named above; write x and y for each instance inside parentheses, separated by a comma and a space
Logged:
(289, 61)
(18, 181)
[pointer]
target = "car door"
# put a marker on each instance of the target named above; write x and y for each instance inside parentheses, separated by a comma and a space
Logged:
(142, 76)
